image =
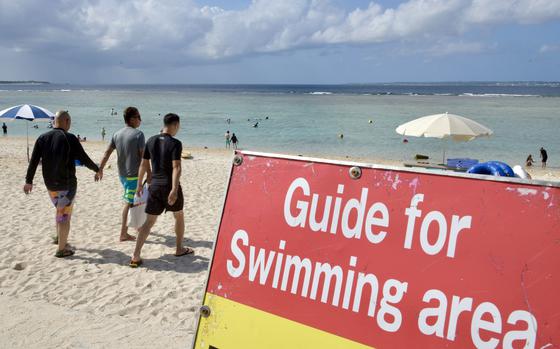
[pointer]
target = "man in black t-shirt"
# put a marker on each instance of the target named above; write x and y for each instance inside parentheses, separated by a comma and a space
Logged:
(58, 150)
(163, 153)
(544, 157)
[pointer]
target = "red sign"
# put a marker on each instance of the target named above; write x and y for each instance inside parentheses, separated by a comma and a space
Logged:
(393, 259)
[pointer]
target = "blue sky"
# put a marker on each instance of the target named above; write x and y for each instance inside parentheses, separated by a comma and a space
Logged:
(289, 41)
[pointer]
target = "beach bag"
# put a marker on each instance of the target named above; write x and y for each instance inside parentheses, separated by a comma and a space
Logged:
(137, 213)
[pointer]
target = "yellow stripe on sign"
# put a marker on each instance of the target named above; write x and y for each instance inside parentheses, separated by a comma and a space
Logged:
(235, 325)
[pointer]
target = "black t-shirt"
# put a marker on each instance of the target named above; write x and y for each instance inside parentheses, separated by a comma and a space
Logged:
(162, 149)
(58, 150)
(544, 155)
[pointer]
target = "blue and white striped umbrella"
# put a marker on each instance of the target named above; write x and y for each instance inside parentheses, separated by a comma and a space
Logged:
(27, 112)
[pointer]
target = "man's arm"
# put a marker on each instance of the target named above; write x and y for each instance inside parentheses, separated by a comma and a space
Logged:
(176, 176)
(32, 167)
(108, 152)
(141, 147)
(80, 153)
(144, 168)
(149, 175)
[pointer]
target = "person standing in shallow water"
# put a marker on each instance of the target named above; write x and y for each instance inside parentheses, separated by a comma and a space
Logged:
(4, 129)
(163, 154)
(544, 157)
(228, 139)
(234, 140)
(129, 143)
(58, 150)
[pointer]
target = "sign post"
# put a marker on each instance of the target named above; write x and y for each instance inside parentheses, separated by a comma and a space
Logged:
(324, 254)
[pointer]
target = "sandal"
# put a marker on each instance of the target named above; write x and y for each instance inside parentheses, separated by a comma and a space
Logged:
(64, 253)
(185, 252)
(135, 264)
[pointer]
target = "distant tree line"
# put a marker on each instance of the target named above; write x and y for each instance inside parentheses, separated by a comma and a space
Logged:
(23, 82)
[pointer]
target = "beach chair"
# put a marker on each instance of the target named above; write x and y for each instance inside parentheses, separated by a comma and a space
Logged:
(425, 164)
(423, 161)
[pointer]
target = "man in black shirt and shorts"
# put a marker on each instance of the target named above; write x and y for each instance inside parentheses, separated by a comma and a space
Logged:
(163, 152)
(57, 150)
(544, 157)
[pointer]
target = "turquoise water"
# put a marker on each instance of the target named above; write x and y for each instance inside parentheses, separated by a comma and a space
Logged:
(309, 124)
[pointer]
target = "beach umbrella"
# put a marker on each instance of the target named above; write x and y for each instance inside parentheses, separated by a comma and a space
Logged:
(445, 126)
(27, 112)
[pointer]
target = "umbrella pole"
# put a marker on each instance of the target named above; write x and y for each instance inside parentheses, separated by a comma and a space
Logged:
(444, 146)
(27, 134)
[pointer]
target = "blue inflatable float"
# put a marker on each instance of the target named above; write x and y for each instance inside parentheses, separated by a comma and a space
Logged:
(493, 168)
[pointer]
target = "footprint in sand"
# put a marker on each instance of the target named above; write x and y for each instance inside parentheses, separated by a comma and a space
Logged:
(19, 265)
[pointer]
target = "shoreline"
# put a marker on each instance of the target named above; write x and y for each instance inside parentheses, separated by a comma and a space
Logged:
(550, 173)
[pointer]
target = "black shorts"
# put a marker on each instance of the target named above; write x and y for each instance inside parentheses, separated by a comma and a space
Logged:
(157, 200)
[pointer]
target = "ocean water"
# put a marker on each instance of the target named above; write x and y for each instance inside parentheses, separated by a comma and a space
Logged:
(307, 119)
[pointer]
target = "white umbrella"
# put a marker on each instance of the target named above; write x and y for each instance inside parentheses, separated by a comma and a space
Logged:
(27, 112)
(445, 125)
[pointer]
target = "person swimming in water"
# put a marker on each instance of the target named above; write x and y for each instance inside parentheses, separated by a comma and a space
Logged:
(529, 161)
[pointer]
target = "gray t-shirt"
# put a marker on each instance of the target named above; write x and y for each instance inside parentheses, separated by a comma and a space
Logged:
(129, 143)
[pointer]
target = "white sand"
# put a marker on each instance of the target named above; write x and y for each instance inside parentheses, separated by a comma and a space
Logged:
(93, 299)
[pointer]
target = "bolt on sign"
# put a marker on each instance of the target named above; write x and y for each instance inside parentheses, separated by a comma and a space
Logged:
(322, 254)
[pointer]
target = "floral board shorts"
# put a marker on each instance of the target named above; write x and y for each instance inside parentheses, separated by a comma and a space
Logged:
(62, 201)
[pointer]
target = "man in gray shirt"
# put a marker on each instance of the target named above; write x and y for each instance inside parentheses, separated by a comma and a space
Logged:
(129, 142)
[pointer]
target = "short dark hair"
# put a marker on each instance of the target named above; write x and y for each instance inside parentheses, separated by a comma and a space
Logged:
(170, 119)
(130, 113)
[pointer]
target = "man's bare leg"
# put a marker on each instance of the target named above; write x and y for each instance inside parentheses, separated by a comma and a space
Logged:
(143, 233)
(125, 236)
(55, 238)
(63, 230)
(179, 232)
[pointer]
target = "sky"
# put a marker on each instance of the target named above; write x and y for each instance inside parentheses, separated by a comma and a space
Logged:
(279, 41)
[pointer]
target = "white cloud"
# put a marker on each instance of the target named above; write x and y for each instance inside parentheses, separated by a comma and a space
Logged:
(459, 47)
(149, 32)
(142, 25)
(443, 48)
(265, 26)
(412, 19)
(549, 48)
(512, 11)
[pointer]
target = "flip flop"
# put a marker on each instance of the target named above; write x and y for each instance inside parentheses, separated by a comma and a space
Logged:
(128, 238)
(64, 253)
(187, 251)
(135, 264)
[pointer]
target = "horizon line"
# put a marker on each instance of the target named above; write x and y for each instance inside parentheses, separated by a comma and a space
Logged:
(16, 82)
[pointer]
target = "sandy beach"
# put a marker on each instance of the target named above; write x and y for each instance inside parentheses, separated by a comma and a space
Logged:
(93, 299)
